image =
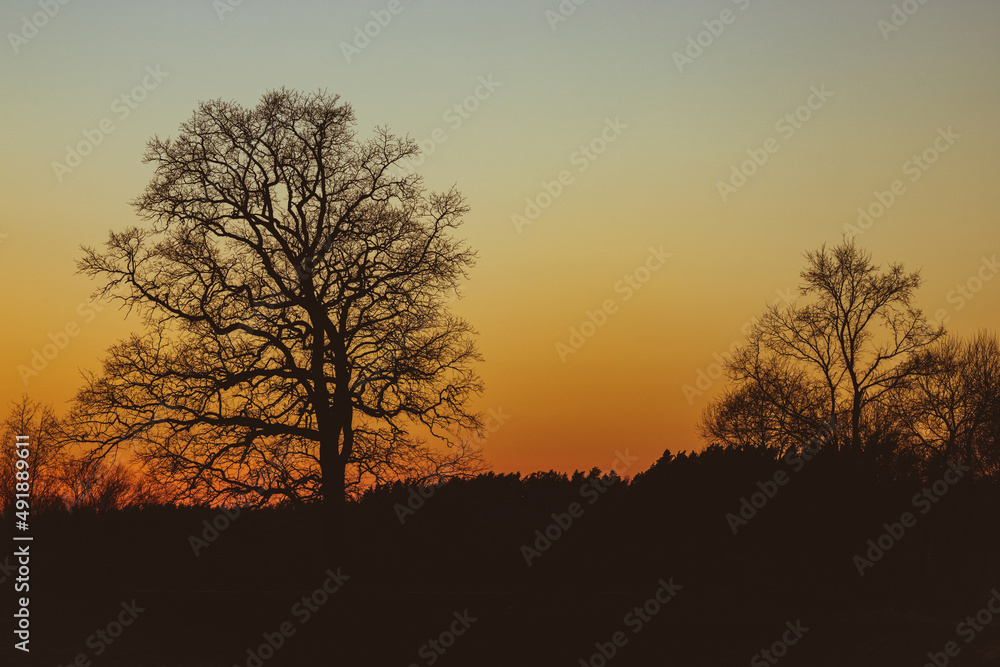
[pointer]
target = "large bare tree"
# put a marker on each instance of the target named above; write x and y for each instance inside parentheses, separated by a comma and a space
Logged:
(852, 337)
(293, 280)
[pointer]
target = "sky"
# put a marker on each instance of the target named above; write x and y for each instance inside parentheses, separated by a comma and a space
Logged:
(644, 177)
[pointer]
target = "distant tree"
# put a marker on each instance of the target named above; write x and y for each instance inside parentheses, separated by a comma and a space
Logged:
(294, 282)
(47, 453)
(93, 484)
(852, 337)
(952, 411)
(779, 412)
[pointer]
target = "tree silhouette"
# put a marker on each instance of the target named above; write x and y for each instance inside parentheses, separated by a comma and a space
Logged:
(778, 411)
(94, 484)
(952, 411)
(294, 281)
(852, 339)
(47, 454)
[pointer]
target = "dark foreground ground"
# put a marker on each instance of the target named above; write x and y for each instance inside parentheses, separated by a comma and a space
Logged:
(455, 572)
(217, 628)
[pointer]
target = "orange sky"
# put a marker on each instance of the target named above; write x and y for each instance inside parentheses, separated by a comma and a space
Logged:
(633, 140)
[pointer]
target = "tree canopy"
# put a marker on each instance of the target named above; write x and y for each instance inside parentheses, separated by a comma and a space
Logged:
(845, 353)
(293, 281)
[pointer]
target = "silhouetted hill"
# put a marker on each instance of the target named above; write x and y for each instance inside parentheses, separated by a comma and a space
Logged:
(597, 546)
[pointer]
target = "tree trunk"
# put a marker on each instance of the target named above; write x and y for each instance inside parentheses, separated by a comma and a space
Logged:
(833, 419)
(333, 470)
(856, 425)
(332, 523)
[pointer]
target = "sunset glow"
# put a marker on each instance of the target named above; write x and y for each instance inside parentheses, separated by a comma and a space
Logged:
(591, 147)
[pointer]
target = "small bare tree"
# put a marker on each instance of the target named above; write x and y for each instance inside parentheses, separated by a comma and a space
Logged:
(952, 410)
(92, 483)
(778, 408)
(852, 337)
(46, 458)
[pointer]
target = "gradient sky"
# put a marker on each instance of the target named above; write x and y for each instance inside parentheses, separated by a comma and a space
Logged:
(560, 83)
